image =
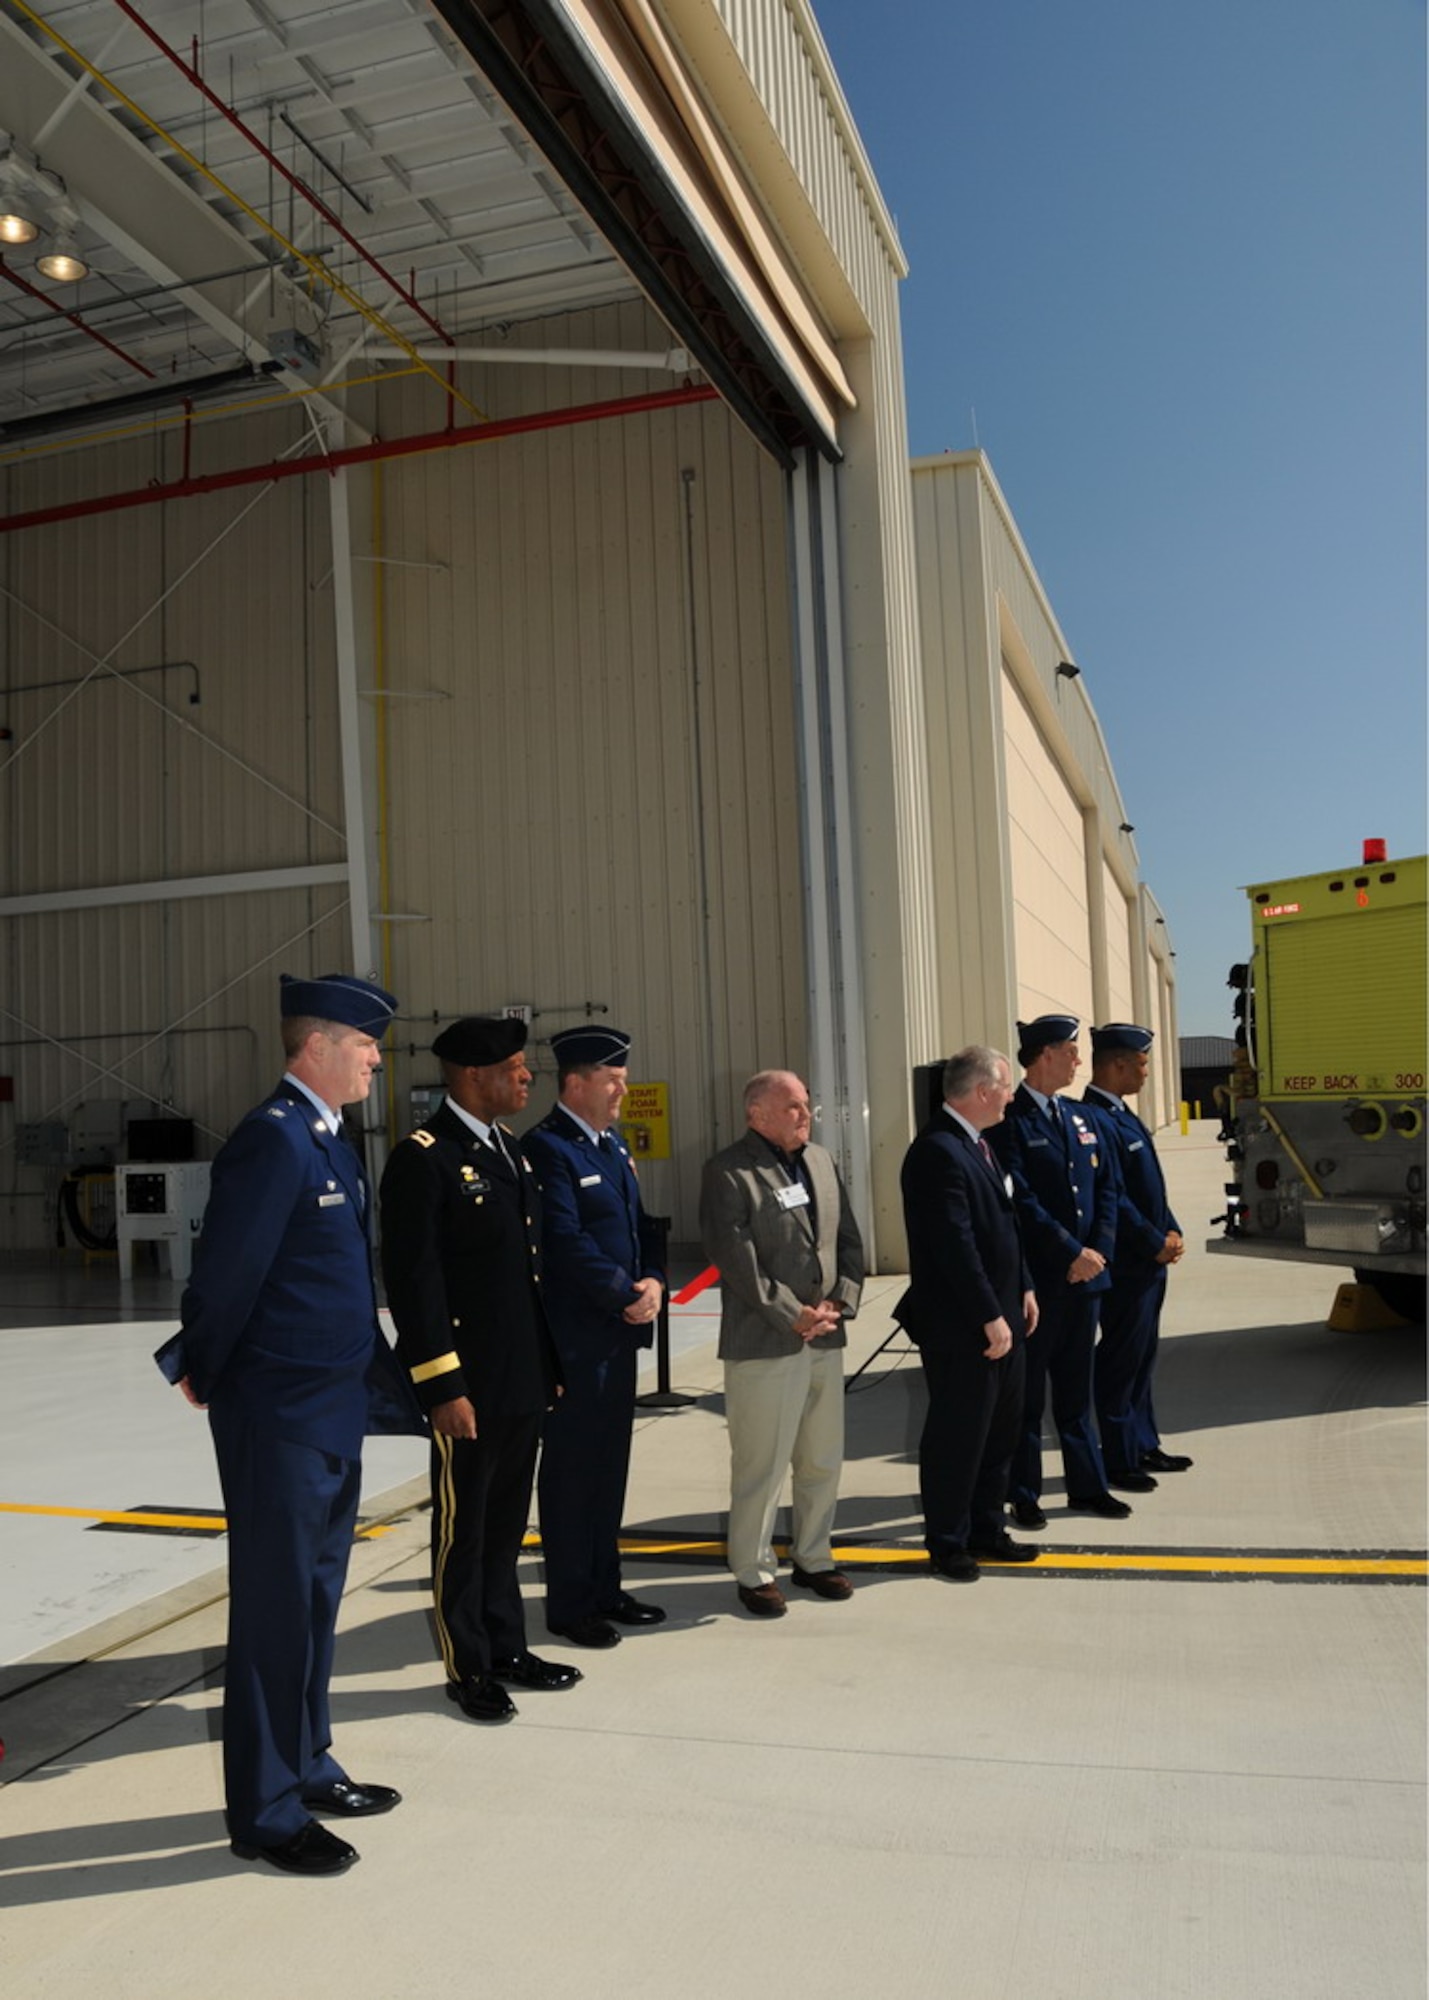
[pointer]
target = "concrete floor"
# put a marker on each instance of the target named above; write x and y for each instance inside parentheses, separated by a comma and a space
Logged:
(1103, 1775)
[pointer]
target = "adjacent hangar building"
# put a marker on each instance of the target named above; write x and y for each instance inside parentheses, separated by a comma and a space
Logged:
(455, 523)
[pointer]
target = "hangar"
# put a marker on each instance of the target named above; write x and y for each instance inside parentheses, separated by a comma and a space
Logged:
(457, 525)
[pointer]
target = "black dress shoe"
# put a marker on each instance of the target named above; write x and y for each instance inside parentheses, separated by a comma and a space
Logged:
(1099, 1503)
(957, 1565)
(311, 1851)
(1165, 1461)
(526, 1671)
(482, 1698)
(1131, 1482)
(586, 1632)
(763, 1600)
(831, 1583)
(1002, 1549)
(628, 1610)
(348, 1801)
(1027, 1514)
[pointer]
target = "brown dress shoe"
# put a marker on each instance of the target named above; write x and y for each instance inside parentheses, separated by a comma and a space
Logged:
(823, 1582)
(765, 1600)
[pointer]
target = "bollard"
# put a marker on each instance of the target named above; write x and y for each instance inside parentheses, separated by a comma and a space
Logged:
(1185, 1118)
(662, 1396)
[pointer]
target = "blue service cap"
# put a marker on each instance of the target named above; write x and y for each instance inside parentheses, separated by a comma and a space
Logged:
(337, 996)
(598, 1047)
(1122, 1035)
(1047, 1029)
(480, 1040)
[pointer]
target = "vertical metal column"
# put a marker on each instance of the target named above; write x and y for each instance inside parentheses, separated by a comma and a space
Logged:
(838, 1066)
(359, 786)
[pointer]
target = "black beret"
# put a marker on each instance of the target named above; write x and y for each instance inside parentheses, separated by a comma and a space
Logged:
(480, 1040)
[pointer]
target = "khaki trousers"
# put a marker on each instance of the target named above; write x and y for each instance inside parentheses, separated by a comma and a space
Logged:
(783, 1414)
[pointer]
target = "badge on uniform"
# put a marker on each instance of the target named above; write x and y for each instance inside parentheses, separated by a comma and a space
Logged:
(589, 1180)
(475, 1184)
(796, 1195)
(331, 1200)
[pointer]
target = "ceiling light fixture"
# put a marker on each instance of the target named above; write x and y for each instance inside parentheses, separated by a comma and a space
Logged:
(17, 210)
(62, 261)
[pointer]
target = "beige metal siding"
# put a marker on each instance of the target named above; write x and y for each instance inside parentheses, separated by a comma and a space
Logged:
(543, 813)
(1120, 999)
(1047, 864)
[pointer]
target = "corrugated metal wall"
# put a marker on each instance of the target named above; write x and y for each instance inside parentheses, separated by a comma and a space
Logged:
(1120, 996)
(1047, 867)
(588, 782)
(213, 753)
(606, 625)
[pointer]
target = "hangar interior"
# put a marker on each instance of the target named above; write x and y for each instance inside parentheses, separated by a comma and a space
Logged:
(457, 525)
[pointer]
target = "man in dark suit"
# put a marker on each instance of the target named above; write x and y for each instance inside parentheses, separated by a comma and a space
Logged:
(461, 1260)
(280, 1341)
(1148, 1242)
(970, 1309)
(1064, 1184)
(602, 1296)
(776, 1219)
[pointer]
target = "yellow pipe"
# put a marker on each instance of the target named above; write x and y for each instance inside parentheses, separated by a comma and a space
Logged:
(313, 265)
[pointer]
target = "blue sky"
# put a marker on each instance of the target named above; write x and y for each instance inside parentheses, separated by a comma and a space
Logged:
(1171, 253)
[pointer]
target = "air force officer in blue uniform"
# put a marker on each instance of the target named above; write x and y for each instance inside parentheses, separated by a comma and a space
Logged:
(603, 1293)
(1148, 1242)
(279, 1339)
(1064, 1184)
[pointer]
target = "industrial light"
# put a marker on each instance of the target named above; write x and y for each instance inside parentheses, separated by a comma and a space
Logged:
(1067, 672)
(17, 220)
(62, 261)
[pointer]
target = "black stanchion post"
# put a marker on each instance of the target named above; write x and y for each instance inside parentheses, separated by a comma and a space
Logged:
(662, 1396)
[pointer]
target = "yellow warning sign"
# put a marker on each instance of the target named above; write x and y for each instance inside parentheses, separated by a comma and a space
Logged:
(645, 1121)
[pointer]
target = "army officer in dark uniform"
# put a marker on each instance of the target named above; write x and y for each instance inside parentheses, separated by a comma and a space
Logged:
(603, 1293)
(279, 1339)
(461, 1259)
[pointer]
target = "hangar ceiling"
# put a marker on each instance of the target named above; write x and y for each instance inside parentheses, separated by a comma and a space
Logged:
(280, 194)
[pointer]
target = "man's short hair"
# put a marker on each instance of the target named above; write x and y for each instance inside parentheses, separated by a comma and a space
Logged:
(566, 1069)
(760, 1084)
(297, 1028)
(971, 1066)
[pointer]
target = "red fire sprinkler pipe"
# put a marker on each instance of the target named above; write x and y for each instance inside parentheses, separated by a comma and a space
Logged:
(190, 70)
(13, 277)
(362, 454)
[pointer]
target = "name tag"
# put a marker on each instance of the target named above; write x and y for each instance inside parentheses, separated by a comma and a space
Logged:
(331, 1200)
(1135, 1145)
(796, 1195)
(589, 1180)
(1038, 1142)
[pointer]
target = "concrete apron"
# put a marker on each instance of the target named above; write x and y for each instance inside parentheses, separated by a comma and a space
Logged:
(1065, 1780)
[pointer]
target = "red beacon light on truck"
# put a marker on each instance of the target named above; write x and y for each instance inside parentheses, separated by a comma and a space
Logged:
(1375, 850)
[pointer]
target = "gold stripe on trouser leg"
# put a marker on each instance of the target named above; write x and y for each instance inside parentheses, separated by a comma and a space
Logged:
(444, 1500)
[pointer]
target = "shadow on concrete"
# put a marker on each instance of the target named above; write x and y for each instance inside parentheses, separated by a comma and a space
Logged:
(69, 1862)
(1261, 1374)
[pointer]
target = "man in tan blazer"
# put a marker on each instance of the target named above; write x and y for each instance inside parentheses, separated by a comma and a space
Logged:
(776, 1219)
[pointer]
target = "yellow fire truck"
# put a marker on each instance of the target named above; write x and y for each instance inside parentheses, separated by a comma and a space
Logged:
(1325, 1131)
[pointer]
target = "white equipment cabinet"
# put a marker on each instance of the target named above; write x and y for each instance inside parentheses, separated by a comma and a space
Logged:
(163, 1204)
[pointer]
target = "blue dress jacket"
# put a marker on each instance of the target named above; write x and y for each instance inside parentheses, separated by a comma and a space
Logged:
(1143, 1213)
(594, 1236)
(279, 1319)
(1065, 1185)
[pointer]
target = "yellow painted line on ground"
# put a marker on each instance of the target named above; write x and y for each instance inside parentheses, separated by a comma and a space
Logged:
(862, 1556)
(1100, 1560)
(209, 1524)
